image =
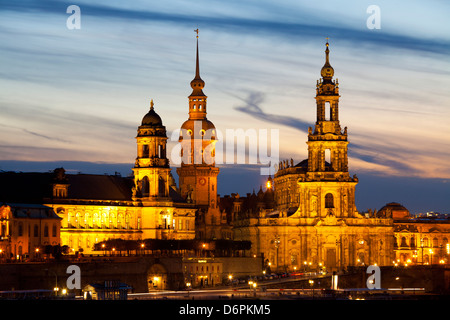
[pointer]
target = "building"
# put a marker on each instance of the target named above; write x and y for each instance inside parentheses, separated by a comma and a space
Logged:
(28, 231)
(421, 240)
(314, 223)
(93, 208)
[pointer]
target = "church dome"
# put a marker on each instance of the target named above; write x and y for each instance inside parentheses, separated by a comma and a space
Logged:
(394, 210)
(152, 118)
(202, 124)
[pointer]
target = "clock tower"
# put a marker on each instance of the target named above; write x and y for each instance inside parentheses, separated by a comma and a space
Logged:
(198, 173)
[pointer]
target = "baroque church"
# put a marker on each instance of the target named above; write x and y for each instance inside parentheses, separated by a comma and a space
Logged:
(314, 222)
(305, 219)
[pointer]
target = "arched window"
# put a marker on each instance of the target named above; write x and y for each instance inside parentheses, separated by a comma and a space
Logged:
(403, 244)
(412, 242)
(329, 202)
(145, 187)
(327, 159)
(435, 242)
(161, 187)
(145, 151)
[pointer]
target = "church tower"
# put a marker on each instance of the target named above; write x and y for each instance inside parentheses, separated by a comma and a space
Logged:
(316, 224)
(327, 189)
(151, 171)
(160, 213)
(198, 173)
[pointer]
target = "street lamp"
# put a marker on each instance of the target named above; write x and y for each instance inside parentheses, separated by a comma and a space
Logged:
(277, 242)
(311, 283)
(421, 245)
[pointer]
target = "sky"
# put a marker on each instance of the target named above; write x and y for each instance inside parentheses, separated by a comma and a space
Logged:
(75, 97)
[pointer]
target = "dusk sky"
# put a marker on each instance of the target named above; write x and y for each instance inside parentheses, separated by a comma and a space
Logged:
(75, 97)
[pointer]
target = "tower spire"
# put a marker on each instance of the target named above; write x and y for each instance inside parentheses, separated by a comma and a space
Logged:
(197, 83)
(197, 64)
(327, 71)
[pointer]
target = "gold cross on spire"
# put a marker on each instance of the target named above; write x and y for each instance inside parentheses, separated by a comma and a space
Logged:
(151, 104)
(196, 30)
(327, 40)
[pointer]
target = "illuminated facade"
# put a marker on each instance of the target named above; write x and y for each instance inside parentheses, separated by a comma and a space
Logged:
(422, 240)
(93, 208)
(27, 230)
(146, 206)
(315, 222)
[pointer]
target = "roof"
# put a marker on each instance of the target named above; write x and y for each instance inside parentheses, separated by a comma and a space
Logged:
(100, 187)
(33, 211)
(152, 119)
(36, 187)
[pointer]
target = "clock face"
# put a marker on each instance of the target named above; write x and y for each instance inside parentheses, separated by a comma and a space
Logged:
(202, 181)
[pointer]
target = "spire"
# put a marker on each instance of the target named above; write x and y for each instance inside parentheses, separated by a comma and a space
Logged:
(197, 64)
(327, 71)
(197, 83)
(151, 104)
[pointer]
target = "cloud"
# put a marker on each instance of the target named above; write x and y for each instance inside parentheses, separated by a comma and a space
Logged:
(44, 136)
(303, 27)
(252, 107)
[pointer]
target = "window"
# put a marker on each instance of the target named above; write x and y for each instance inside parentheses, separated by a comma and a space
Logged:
(161, 153)
(36, 230)
(329, 202)
(145, 151)
(435, 242)
(327, 110)
(327, 158)
(20, 231)
(46, 231)
(161, 187)
(145, 187)
(403, 243)
(54, 231)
